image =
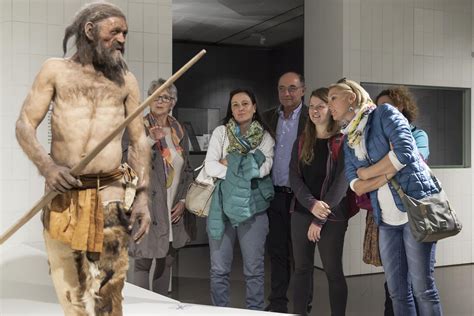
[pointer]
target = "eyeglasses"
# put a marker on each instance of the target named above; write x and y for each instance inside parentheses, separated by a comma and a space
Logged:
(163, 99)
(290, 89)
(317, 107)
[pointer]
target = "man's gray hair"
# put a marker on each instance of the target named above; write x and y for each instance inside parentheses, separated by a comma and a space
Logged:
(155, 84)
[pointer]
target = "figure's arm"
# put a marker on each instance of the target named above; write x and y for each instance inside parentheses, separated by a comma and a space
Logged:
(337, 190)
(364, 186)
(422, 143)
(138, 159)
(266, 147)
(397, 130)
(302, 193)
(357, 185)
(34, 109)
(178, 209)
(212, 163)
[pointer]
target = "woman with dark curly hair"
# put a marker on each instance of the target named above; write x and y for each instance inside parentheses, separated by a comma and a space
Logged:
(401, 98)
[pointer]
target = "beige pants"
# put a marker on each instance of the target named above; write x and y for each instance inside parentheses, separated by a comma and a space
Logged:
(92, 286)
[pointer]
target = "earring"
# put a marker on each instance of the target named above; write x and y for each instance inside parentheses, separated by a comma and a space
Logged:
(351, 109)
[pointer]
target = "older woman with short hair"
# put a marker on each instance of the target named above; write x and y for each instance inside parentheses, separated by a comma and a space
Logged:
(170, 174)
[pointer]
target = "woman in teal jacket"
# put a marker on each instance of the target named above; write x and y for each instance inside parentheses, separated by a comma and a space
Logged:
(240, 155)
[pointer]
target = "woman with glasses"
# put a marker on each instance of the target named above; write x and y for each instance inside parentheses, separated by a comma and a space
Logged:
(240, 156)
(379, 145)
(321, 214)
(170, 174)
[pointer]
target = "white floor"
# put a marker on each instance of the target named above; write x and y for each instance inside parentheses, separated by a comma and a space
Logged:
(26, 289)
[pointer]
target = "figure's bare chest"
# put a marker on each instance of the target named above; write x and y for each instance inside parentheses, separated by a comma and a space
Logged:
(81, 89)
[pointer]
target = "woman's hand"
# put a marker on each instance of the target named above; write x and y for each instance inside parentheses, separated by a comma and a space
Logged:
(223, 161)
(314, 232)
(177, 212)
(157, 132)
(321, 210)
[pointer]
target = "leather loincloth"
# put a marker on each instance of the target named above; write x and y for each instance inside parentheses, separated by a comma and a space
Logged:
(76, 217)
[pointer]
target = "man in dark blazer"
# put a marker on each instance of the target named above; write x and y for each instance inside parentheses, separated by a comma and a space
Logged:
(286, 121)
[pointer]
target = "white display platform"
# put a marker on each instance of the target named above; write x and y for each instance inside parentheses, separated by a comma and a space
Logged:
(26, 289)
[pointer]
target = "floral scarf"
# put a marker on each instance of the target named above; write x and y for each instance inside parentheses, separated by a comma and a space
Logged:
(154, 131)
(244, 143)
(355, 130)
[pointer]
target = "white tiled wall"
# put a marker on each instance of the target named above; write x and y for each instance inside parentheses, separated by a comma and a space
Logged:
(32, 31)
(414, 42)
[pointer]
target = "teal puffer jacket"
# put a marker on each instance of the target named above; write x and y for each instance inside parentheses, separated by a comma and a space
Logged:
(241, 195)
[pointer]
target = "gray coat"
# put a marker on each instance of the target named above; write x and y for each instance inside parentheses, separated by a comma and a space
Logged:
(156, 243)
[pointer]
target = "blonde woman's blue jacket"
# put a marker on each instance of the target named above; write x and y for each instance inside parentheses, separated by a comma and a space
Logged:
(385, 126)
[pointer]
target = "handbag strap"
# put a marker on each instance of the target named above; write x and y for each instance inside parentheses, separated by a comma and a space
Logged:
(400, 191)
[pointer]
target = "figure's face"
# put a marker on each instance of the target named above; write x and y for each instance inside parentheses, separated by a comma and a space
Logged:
(163, 104)
(290, 90)
(110, 39)
(339, 103)
(242, 108)
(318, 111)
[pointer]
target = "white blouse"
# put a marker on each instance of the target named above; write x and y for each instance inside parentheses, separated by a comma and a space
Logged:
(218, 149)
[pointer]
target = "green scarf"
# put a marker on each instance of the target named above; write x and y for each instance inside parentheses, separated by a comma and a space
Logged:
(244, 143)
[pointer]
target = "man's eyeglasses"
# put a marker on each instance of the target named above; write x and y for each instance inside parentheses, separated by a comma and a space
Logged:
(290, 89)
(163, 99)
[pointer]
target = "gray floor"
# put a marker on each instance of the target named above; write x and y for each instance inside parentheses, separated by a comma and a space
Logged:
(366, 294)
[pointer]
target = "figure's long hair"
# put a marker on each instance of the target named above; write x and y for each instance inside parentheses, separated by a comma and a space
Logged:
(310, 134)
(86, 48)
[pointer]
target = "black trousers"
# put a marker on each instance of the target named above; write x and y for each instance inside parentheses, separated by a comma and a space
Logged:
(330, 248)
(278, 246)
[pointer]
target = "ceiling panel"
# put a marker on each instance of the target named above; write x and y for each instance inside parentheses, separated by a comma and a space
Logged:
(263, 23)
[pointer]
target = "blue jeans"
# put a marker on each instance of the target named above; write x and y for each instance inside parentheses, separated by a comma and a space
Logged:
(251, 234)
(409, 264)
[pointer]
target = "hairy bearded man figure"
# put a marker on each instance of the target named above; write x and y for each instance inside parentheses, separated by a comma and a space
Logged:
(87, 226)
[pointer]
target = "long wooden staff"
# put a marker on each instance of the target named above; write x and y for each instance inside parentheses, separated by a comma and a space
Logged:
(83, 163)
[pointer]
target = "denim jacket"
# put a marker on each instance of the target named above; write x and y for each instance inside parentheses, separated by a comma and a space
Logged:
(385, 126)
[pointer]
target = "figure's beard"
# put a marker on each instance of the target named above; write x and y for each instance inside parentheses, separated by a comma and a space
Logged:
(110, 61)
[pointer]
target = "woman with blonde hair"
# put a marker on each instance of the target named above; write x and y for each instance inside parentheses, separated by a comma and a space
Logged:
(321, 209)
(378, 146)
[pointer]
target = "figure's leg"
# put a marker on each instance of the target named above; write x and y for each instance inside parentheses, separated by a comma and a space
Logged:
(252, 235)
(141, 272)
(113, 263)
(64, 273)
(303, 254)
(162, 274)
(222, 254)
(331, 248)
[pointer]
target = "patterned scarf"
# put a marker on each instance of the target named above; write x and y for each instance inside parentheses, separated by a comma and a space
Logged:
(243, 143)
(355, 130)
(154, 131)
